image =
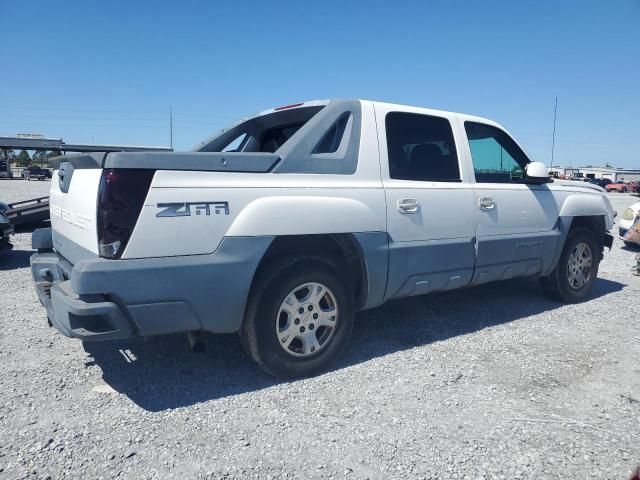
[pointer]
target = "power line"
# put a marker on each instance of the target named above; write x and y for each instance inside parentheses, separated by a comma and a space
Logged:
(171, 127)
(553, 140)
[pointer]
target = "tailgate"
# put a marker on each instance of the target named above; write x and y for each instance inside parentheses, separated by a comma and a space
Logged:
(73, 199)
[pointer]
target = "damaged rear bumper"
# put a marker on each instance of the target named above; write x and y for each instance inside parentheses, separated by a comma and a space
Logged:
(99, 299)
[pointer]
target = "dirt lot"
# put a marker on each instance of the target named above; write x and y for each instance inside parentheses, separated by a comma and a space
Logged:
(492, 382)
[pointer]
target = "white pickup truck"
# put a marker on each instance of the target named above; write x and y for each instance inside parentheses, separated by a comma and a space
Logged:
(284, 225)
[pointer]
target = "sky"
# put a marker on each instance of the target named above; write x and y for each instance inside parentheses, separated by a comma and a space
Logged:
(109, 72)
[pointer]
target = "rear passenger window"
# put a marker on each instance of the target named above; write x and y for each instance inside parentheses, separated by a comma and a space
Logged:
(421, 147)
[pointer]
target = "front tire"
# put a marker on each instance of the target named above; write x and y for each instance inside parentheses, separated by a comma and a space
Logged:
(299, 317)
(573, 278)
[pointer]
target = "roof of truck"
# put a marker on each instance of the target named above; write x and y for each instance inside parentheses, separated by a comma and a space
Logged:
(433, 111)
(428, 110)
(321, 102)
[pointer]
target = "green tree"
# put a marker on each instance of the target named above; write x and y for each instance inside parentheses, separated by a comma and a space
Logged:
(23, 159)
(51, 154)
(39, 157)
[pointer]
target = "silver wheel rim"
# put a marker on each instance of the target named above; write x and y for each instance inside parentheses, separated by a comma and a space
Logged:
(307, 319)
(579, 266)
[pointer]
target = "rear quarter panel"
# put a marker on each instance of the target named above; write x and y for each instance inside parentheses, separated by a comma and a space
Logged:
(258, 204)
(263, 204)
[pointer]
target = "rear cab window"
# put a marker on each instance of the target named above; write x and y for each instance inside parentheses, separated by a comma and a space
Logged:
(264, 133)
(421, 148)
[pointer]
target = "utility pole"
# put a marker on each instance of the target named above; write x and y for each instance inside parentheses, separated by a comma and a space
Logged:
(171, 127)
(553, 141)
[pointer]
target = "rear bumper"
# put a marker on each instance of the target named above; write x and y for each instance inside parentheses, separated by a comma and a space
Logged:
(88, 317)
(99, 299)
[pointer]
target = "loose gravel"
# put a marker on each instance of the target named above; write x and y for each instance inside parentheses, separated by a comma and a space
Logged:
(490, 382)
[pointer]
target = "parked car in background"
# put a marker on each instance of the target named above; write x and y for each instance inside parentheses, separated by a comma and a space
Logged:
(37, 173)
(601, 182)
(632, 187)
(5, 172)
(6, 228)
(626, 221)
(619, 187)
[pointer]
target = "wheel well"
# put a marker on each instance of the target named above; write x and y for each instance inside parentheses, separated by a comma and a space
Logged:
(595, 223)
(343, 248)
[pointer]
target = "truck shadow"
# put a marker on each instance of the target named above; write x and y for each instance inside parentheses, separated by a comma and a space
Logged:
(161, 373)
(13, 259)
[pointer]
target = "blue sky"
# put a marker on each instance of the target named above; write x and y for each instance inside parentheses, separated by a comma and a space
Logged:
(108, 72)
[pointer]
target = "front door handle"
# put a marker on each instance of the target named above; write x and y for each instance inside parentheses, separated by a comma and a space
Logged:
(486, 203)
(408, 205)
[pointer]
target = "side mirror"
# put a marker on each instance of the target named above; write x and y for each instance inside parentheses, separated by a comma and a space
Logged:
(537, 172)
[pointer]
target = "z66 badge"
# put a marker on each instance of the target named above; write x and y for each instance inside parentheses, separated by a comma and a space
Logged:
(186, 209)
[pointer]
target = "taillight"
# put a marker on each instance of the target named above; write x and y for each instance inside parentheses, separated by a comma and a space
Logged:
(120, 199)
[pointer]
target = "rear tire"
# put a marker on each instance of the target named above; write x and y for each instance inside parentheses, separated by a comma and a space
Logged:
(284, 342)
(572, 279)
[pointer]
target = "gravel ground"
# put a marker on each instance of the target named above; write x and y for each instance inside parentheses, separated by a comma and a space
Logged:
(491, 382)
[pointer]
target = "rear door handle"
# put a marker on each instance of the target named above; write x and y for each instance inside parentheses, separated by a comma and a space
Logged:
(408, 205)
(486, 203)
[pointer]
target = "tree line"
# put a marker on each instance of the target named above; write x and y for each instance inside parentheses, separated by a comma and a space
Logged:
(23, 159)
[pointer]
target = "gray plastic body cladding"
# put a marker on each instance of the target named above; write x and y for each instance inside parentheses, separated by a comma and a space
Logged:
(296, 156)
(502, 257)
(425, 266)
(87, 318)
(174, 294)
(45, 271)
(41, 239)
(563, 226)
(257, 162)
(199, 161)
(79, 160)
(374, 247)
(297, 153)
